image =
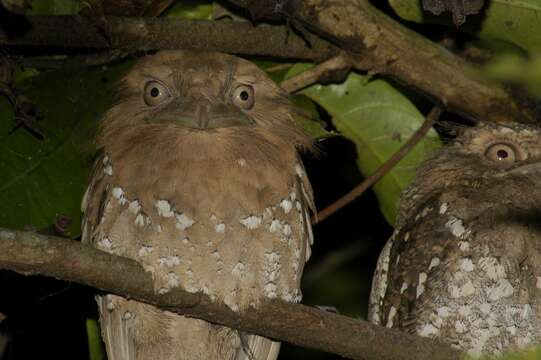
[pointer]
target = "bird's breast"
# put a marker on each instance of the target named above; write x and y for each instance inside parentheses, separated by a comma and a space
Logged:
(236, 232)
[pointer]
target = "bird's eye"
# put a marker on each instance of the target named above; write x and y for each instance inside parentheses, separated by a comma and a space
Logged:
(243, 97)
(503, 153)
(155, 93)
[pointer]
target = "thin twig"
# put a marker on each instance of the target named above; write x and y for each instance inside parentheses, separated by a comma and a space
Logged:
(279, 67)
(313, 75)
(433, 115)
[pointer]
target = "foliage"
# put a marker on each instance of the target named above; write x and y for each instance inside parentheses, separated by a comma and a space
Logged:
(516, 69)
(378, 119)
(43, 178)
(511, 21)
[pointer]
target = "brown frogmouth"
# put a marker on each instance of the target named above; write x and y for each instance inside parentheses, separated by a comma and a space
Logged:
(464, 262)
(199, 179)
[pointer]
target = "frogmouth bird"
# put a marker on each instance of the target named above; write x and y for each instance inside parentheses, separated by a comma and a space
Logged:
(464, 262)
(199, 179)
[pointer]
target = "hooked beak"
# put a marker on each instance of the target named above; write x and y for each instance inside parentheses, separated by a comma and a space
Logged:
(204, 115)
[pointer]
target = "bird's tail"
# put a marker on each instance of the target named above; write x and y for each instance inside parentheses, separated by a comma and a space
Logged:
(116, 328)
(255, 347)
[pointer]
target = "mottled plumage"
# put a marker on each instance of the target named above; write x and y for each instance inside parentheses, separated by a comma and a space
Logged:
(464, 263)
(200, 181)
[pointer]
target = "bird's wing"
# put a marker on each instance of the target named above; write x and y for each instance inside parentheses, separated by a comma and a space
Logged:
(93, 202)
(308, 205)
(255, 347)
(379, 284)
(419, 258)
(116, 331)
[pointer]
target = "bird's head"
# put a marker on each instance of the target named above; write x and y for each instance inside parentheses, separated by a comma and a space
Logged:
(493, 151)
(200, 91)
(194, 93)
(494, 164)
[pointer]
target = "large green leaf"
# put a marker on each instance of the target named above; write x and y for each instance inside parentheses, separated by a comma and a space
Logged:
(516, 69)
(310, 123)
(378, 119)
(42, 178)
(512, 21)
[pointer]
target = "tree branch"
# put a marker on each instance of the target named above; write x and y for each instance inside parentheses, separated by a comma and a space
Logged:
(160, 33)
(33, 254)
(311, 76)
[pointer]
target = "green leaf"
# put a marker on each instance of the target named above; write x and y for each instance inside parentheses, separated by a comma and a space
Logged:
(42, 178)
(517, 69)
(512, 21)
(56, 7)
(95, 346)
(192, 9)
(310, 123)
(378, 119)
(22, 74)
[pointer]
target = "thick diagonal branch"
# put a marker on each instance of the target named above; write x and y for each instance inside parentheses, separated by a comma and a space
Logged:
(383, 46)
(32, 254)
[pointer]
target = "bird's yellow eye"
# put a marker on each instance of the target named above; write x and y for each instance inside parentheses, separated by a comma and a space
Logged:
(500, 152)
(243, 97)
(155, 93)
